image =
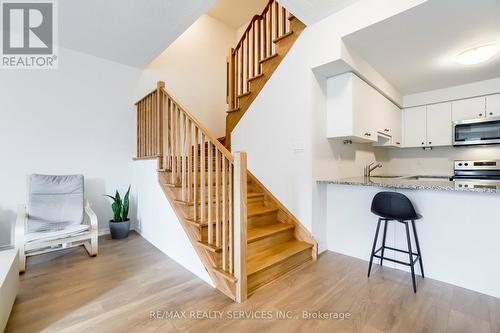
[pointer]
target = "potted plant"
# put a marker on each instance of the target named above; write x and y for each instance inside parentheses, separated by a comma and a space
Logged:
(119, 226)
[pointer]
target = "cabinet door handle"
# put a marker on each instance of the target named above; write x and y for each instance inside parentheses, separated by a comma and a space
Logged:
(386, 129)
(398, 143)
(480, 115)
(491, 113)
(430, 142)
(423, 143)
(368, 134)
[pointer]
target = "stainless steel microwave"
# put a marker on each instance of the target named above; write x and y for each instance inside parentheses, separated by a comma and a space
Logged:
(482, 131)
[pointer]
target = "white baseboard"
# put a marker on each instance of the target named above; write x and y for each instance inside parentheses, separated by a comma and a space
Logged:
(102, 232)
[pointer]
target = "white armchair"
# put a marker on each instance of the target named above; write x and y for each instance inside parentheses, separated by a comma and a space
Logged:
(54, 217)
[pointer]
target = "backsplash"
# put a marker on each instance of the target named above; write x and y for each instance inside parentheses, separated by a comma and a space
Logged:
(438, 161)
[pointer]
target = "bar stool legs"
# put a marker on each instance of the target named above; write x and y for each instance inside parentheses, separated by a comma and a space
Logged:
(373, 247)
(383, 243)
(410, 254)
(418, 247)
(413, 257)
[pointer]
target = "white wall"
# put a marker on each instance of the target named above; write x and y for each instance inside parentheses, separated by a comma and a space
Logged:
(157, 222)
(474, 89)
(289, 151)
(76, 119)
(194, 70)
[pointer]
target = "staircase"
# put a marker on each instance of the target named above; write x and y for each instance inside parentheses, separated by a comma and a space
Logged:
(243, 235)
(263, 45)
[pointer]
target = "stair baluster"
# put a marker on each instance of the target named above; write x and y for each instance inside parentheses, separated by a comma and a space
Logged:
(257, 44)
(199, 165)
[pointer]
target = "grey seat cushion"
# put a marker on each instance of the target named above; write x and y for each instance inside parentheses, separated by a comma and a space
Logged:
(55, 202)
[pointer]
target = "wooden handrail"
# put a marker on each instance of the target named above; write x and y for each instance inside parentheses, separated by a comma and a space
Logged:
(256, 44)
(204, 170)
(242, 38)
(255, 18)
(211, 137)
(146, 96)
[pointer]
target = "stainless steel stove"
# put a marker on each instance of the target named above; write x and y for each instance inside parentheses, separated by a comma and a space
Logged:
(477, 174)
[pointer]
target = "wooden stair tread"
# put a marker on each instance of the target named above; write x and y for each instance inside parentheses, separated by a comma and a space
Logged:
(233, 110)
(256, 233)
(245, 94)
(225, 275)
(198, 185)
(260, 210)
(282, 37)
(210, 247)
(251, 195)
(252, 211)
(255, 78)
(269, 58)
(275, 254)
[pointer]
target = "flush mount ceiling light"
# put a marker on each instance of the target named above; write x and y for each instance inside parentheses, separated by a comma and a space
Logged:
(478, 54)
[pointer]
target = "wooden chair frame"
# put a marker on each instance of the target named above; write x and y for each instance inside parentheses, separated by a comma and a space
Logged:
(88, 239)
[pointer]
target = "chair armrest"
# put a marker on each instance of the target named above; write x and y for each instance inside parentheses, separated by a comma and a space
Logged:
(92, 216)
(20, 227)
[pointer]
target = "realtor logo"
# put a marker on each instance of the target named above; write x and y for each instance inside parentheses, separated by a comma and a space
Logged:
(28, 34)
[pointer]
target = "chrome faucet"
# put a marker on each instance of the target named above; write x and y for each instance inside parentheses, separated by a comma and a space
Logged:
(370, 167)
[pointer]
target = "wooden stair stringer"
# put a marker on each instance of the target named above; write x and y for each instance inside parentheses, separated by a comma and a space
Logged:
(223, 284)
(283, 46)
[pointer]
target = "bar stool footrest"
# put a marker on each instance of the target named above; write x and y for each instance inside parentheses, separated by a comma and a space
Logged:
(375, 255)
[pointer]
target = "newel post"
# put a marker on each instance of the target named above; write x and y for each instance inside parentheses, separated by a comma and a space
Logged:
(240, 225)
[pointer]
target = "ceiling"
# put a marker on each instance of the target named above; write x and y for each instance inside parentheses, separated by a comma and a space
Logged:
(236, 13)
(130, 32)
(312, 11)
(414, 50)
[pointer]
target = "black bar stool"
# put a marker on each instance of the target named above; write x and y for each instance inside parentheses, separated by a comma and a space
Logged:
(393, 206)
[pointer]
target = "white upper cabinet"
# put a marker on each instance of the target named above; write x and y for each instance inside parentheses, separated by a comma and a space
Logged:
(365, 111)
(427, 126)
(415, 126)
(439, 125)
(470, 108)
(395, 116)
(493, 106)
(358, 112)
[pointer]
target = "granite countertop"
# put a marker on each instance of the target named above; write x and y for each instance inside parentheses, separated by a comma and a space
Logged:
(442, 183)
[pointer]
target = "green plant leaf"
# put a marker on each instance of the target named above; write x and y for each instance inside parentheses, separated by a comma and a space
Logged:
(118, 199)
(125, 205)
(110, 196)
(116, 207)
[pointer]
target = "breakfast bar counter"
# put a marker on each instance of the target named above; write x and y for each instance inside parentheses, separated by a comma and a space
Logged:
(454, 218)
(439, 183)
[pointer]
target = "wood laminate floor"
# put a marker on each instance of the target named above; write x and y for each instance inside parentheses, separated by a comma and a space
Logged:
(119, 289)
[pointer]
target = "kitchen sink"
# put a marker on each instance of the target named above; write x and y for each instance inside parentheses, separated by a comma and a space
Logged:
(388, 177)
